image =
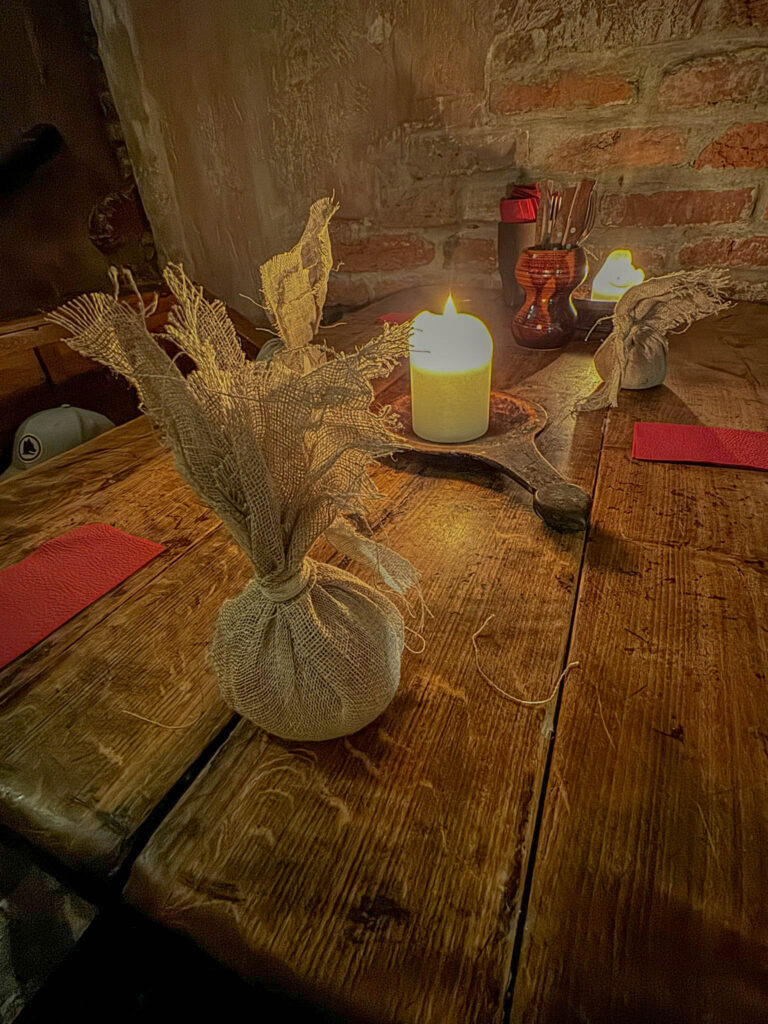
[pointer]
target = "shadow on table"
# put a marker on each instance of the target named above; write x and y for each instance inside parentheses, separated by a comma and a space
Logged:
(684, 967)
(453, 467)
(127, 970)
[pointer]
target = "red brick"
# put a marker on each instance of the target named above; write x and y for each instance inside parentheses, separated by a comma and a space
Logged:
(427, 277)
(593, 26)
(743, 145)
(440, 154)
(570, 89)
(652, 260)
(657, 209)
(379, 252)
(480, 200)
(431, 204)
(747, 13)
(618, 147)
(466, 251)
(726, 252)
(711, 80)
(448, 111)
(347, 290)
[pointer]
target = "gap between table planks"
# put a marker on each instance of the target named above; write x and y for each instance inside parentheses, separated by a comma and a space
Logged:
(648, 894)
(381, 874)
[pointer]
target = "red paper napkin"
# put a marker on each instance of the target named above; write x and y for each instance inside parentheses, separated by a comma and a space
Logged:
(394, 318)
(720, 446)
(60, 578)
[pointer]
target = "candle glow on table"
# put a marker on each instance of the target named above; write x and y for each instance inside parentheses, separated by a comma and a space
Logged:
(451, 357)
(616, 276)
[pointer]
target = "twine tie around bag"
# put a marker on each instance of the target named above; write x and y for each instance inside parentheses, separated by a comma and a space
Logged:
(280, 591)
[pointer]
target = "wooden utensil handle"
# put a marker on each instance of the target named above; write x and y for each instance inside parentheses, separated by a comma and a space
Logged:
(563, 507)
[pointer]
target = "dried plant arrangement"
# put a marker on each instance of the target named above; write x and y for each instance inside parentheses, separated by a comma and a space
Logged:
(295, 284)
(634, 355)
(281, 451)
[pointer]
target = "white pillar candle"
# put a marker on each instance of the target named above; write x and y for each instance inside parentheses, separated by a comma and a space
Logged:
(616, 276)
(451, 357)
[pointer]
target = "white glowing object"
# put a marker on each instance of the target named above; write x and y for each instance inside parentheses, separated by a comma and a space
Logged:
(616, 276)
(451, 357)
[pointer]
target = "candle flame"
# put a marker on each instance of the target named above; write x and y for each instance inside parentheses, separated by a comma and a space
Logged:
(450, 308)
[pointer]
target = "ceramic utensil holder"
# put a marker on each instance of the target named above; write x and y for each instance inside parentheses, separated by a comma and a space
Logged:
(547, 317)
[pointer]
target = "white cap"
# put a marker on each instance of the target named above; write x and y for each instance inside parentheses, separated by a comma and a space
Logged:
(51, 432)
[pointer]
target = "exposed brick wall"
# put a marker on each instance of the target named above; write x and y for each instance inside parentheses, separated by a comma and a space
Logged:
(665, 103)
(419, 114)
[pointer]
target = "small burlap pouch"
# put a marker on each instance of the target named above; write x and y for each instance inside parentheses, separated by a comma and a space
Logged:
(634, 354)
(281, 452)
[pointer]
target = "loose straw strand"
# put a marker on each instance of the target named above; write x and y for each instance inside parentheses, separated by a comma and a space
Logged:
(161, 725)
(602, 719)
(512, 696)
(165, 725)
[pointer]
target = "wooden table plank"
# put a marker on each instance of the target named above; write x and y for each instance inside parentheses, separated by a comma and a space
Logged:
(32, 498)
(149, 500)
(20, 372)
(381, 874)
(83, 759)
(648, 896)
(717, 377)
(78, 773)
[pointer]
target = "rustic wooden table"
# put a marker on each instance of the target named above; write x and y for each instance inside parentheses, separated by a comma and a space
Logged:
(600, 857)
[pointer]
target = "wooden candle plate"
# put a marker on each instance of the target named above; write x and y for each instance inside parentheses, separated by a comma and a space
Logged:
(509, 446)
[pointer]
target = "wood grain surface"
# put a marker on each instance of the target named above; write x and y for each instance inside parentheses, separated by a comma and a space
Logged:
(648, 897)
(388, 875)
(381, 874)
(21, 372)
(78, 771)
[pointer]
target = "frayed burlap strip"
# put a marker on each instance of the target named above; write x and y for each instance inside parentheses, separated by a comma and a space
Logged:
(643, 318)
(295, 284)
(307, 651)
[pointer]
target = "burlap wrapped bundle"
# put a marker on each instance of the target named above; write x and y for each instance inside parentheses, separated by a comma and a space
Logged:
(307, 650)
(634, 355)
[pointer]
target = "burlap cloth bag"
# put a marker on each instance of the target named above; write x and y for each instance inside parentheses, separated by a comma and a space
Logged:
(634, 355)
(280, 450)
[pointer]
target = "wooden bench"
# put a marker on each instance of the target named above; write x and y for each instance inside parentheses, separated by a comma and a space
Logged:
(41, 921)
(38, 370)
